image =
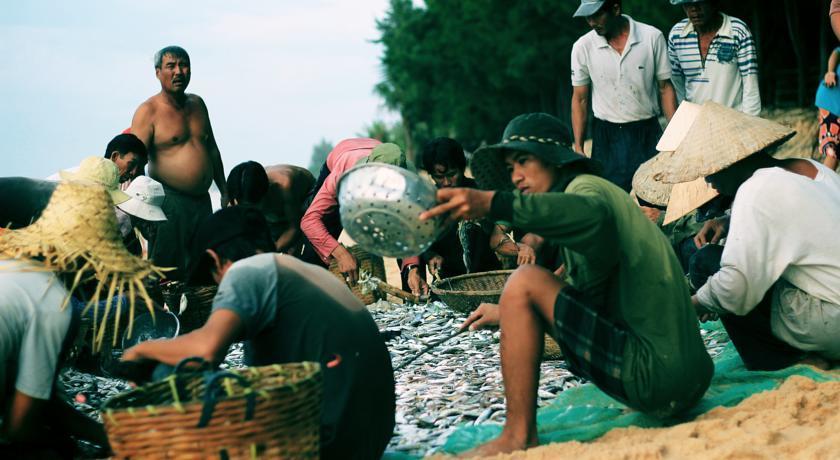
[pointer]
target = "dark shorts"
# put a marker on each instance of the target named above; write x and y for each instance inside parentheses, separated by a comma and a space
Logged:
(171, 243)
(592, 345)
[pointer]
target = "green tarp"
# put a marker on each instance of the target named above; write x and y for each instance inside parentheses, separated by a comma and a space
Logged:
(585, 413)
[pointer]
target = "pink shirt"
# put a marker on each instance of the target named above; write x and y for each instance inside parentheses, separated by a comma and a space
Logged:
(344, 156)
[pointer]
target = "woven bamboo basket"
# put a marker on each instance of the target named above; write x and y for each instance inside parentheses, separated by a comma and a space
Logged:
(264, 412)
(199, 303)
(464, 293)
(368, 263)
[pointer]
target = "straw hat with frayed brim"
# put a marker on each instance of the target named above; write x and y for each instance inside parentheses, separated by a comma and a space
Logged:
(717, 138)
(649, 189)
(541, 135)
(77, 234)
(99, 170)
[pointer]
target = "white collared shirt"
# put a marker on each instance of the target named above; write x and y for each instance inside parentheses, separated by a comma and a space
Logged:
(730, 74)
(625, 87)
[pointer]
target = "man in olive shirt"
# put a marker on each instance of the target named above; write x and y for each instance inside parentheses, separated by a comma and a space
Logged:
(624, 320)
(286, 310)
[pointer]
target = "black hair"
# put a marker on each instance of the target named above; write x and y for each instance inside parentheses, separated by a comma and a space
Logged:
(233, 234)
(443, 151)
(247, 183)
(124, 143)
(174, 51)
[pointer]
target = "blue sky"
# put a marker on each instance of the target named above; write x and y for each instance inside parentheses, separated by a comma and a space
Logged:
(277, 76)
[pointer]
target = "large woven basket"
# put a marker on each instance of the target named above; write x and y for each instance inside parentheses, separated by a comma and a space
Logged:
(464, 293)
(368, 263)
(263, 412)
(199, 303)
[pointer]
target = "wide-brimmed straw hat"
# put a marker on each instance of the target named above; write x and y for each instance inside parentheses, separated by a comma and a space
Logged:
(98, 170)
(686, 197)
(540, 134)
(645, 185)
(717, 138)
(146, 197)
(77, 235)
(649, 189)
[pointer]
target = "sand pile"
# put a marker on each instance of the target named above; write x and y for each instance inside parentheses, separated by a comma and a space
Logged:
(801, 419)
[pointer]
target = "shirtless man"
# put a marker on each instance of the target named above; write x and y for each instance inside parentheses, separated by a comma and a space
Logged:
(183, 156)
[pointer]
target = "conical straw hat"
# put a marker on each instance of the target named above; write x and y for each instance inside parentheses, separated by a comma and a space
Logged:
(649, 189)
(718, 138)
(77, 234)
(644, 184)
(686, 197)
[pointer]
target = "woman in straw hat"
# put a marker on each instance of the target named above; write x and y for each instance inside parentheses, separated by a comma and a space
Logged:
(624, 321)
(75, 241)
(776, 282)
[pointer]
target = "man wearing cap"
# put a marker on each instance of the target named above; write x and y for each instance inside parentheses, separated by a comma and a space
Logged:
(776, 286)
(624, 65)
(288, 311)
(713, 58)
(624, 320)
(183, 156)
(321, 222)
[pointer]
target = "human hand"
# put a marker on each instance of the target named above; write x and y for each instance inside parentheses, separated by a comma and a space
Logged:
(715, 227)
(460, 203)
(651, 213)
(435, 264)
(526, 255)
(830, 79)
(703, 314)
(416, 283)
(486, 315)
(560, 272)
(347, 264)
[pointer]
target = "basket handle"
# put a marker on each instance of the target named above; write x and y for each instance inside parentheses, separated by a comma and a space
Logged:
(212, 390)
(181, 366)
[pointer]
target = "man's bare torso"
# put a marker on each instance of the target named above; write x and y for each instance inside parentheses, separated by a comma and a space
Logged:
(179, 150)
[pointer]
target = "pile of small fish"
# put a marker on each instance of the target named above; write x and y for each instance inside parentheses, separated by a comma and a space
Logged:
(455, 383)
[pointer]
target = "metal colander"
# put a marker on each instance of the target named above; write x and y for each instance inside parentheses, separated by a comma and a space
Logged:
(380, 207)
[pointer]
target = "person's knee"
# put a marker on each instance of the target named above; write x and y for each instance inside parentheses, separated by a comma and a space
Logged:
(527, 278)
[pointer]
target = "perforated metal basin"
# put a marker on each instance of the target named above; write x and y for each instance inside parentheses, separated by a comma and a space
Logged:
(380, 206)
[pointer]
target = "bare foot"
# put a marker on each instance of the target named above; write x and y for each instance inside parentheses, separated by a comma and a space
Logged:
(501, 445)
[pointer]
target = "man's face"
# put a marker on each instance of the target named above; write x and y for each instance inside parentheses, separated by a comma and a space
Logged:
(174, 74)
(130, 165)
(529, 174)
(445, 176)
(701, 14)
(603, 22)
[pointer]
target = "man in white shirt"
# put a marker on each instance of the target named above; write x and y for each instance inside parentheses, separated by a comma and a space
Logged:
(624, 65)
(777, 283)
(713, 58)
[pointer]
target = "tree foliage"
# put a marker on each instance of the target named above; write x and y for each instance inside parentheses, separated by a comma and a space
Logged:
(319, 156)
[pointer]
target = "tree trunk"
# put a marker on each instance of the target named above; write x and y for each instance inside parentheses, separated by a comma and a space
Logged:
(792, 15)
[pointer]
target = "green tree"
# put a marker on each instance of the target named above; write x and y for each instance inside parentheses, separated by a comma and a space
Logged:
(319, 156)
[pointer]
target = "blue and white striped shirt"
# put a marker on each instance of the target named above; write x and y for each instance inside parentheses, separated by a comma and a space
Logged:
(730, 74)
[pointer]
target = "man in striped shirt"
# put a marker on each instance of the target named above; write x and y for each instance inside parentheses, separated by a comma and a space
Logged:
(713, 58)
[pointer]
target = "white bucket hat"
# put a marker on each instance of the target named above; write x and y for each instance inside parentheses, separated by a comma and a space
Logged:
(146, 197)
